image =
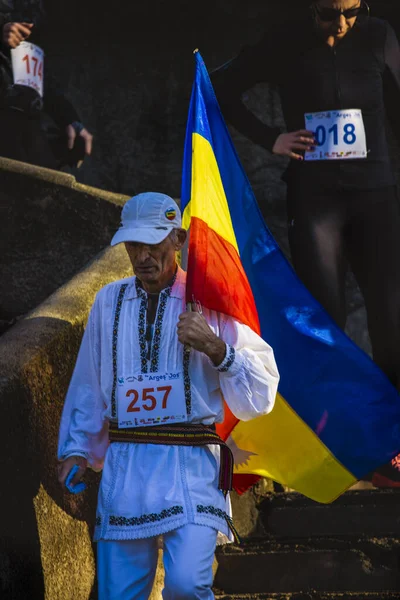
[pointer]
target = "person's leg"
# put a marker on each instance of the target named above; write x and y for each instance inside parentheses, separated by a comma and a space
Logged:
(315, 231)
(37, 146)
(11, 138)
(188, 559)
(126, 568)
(23, 139)
(373, 241)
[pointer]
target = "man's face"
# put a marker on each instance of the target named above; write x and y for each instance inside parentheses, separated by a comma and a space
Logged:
(340, 24)
(154, 264)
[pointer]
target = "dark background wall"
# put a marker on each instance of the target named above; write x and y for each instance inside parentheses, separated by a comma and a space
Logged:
(128, 67)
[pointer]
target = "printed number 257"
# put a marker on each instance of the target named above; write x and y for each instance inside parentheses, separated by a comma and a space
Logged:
(148, 401)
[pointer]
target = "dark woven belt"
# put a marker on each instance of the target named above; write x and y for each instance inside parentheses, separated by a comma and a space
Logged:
(180, 435)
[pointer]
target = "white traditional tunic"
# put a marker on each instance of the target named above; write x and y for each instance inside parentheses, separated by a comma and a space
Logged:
(148, 489)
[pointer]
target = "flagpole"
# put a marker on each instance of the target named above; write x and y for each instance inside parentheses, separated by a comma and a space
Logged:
(193, 306)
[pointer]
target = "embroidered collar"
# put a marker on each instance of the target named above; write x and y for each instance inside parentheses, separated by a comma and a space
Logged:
(157, 329)
(132, 290)
(176, 289)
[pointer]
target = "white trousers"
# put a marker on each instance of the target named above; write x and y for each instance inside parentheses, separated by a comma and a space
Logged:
(126, 568)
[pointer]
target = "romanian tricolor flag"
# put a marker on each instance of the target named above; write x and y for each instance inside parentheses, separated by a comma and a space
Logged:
(337, 416)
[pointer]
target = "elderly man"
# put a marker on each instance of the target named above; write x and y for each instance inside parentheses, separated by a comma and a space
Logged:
(145, 394)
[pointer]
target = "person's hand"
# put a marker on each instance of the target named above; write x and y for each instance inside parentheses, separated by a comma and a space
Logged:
(194, 331)
(66, 465)
(15, 33)
(84, 133)
(287, 143)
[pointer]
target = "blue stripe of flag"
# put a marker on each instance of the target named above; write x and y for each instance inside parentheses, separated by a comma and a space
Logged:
(330, 382)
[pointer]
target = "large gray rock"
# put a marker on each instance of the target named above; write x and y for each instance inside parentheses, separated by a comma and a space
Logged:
(51, 228)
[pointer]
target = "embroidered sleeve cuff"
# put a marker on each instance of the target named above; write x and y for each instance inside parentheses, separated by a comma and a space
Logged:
(230, 356)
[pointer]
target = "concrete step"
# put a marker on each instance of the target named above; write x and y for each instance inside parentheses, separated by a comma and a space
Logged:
(359, 513)
(318, 564)
(310, 596)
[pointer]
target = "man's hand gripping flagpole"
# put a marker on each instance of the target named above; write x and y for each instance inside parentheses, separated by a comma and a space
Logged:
(194, 331)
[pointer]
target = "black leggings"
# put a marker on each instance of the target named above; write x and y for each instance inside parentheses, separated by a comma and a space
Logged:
(360, 229)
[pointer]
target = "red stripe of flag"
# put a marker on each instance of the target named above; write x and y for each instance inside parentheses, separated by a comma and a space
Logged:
(216, 277)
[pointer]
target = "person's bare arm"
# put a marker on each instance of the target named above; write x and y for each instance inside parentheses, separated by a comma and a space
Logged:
(72, 133)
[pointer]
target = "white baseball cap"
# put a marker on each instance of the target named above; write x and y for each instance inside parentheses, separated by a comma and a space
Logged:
(148, 218)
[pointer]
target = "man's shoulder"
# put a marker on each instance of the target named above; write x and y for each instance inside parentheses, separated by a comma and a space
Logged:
(372, 25)
(112, 289)
(375, 31)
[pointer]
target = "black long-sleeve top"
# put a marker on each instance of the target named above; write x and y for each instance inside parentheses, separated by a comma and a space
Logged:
(361, 71)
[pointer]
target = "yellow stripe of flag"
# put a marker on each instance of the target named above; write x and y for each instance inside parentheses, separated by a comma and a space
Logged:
(208, 200)
(275, 445)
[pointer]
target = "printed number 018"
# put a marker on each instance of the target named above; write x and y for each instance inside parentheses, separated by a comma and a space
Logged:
(349, 136)
(148, 397)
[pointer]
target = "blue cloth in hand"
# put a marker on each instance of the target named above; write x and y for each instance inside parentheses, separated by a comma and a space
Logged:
(78, 487)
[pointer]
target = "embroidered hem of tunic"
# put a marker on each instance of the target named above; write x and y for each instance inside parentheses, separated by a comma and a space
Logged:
(129, 532)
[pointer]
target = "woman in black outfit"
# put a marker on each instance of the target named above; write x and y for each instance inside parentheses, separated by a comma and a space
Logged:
(341, 212)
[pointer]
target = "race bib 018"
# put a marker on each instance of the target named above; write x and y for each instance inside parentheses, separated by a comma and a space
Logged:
(27, 65)
(151, 399)
(339, 135)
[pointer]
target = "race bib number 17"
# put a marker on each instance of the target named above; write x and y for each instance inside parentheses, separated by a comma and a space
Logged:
(151, 399)
(339, 134)
(27, 65)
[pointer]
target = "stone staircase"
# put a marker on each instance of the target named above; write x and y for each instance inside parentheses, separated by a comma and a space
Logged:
(349, 549)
